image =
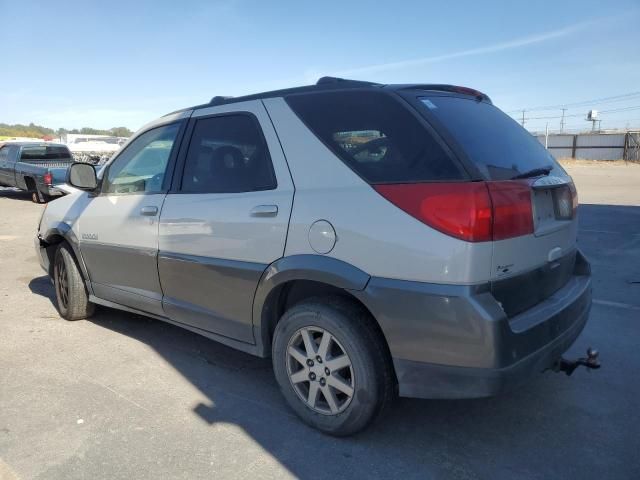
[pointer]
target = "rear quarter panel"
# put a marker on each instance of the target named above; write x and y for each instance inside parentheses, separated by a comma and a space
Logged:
(372, 234)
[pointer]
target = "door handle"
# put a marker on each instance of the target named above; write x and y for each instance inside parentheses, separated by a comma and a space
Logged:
(264, 211)
(149, 211)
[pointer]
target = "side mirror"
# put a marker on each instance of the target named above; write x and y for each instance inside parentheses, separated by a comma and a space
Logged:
(82, 176)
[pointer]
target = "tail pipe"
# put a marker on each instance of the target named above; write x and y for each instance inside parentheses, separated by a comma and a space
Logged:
(590, 362)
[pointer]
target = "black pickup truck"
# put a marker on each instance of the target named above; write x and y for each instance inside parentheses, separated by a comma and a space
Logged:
(34, 167)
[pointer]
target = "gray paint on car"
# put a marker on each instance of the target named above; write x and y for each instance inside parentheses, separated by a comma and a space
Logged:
(139, 300)
(122, 270)
(209, 293)
(464, 326)
(427, 380)
(230, 342)
(46, 245)
(317, 268)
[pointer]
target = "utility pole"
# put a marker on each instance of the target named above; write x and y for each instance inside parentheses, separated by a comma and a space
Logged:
(523, 118)
(562, 120)
(546, 136)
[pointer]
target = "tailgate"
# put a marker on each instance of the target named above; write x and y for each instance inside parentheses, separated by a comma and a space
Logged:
(49, 164)
(59, 174)
(526, 270)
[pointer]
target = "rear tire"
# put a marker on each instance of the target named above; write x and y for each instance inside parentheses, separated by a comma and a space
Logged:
(71, 294)
(38, 197)
(338, 384)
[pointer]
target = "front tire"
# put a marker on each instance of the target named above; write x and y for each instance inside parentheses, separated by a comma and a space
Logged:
(71, 294)
(332, 365)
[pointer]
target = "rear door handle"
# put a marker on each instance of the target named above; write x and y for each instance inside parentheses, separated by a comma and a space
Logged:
(264, 211)
(149, 211)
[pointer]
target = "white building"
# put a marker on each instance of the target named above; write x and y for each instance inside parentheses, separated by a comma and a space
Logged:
(81, 142)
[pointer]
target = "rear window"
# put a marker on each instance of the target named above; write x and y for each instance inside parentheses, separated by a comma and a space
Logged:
(494, 142)
(376, 136)
(45, 152)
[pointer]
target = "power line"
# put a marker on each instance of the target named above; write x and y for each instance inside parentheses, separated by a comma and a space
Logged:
(614, 98)
(623, 109)
(613, 110)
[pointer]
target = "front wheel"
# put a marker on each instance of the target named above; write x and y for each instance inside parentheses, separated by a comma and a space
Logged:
(332, 365)
(71, 293)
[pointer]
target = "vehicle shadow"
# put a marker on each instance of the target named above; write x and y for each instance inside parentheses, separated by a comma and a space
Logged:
(42, 286)
(417, 439)
(14, 194)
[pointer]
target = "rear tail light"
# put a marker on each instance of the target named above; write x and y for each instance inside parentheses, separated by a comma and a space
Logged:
(48, 179)
(574, 198)
(471, 211)
(512, 211)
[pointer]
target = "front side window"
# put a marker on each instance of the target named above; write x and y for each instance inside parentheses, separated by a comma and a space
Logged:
(376, 136)
(141, 167)
(227, 154)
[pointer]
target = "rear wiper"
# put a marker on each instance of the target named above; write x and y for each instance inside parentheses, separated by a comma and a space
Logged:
(536, 172)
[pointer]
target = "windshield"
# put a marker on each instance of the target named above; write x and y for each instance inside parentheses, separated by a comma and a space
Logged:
(499, 147)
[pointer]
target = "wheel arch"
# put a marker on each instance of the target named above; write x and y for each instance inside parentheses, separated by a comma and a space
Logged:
(30, 183)
(55, 235)
(292, 279)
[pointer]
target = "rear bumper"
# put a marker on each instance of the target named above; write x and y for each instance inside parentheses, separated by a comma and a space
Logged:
(457, 342)
(52, 191)
(425, 380)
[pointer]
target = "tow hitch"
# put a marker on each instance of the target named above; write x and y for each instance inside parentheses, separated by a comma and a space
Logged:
(568, 366)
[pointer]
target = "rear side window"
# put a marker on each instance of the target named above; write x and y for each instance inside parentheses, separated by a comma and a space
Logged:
(499, 147)
(376, 136)
(227, 154)
(45, 152)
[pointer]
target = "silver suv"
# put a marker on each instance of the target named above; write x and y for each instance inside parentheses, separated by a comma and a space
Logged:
(374, 240)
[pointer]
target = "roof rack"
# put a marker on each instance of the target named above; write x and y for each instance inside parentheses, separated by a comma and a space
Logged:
(322, 84)
(344, 81)
(219, 100)
(335, 83)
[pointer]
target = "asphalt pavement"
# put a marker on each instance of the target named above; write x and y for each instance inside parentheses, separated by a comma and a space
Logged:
(124, 397)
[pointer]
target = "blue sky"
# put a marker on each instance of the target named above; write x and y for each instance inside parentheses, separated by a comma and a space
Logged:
(104, 64)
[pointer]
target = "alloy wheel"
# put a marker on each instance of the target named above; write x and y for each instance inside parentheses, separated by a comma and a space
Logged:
(320, 370)
(62, 281)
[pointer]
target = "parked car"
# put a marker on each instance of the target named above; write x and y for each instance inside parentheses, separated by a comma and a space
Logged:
(34, 167)
(373, 240)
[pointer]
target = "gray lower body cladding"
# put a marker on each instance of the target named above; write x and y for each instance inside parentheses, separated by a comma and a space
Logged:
(211, 294)
(446, 341)
(451, 341)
